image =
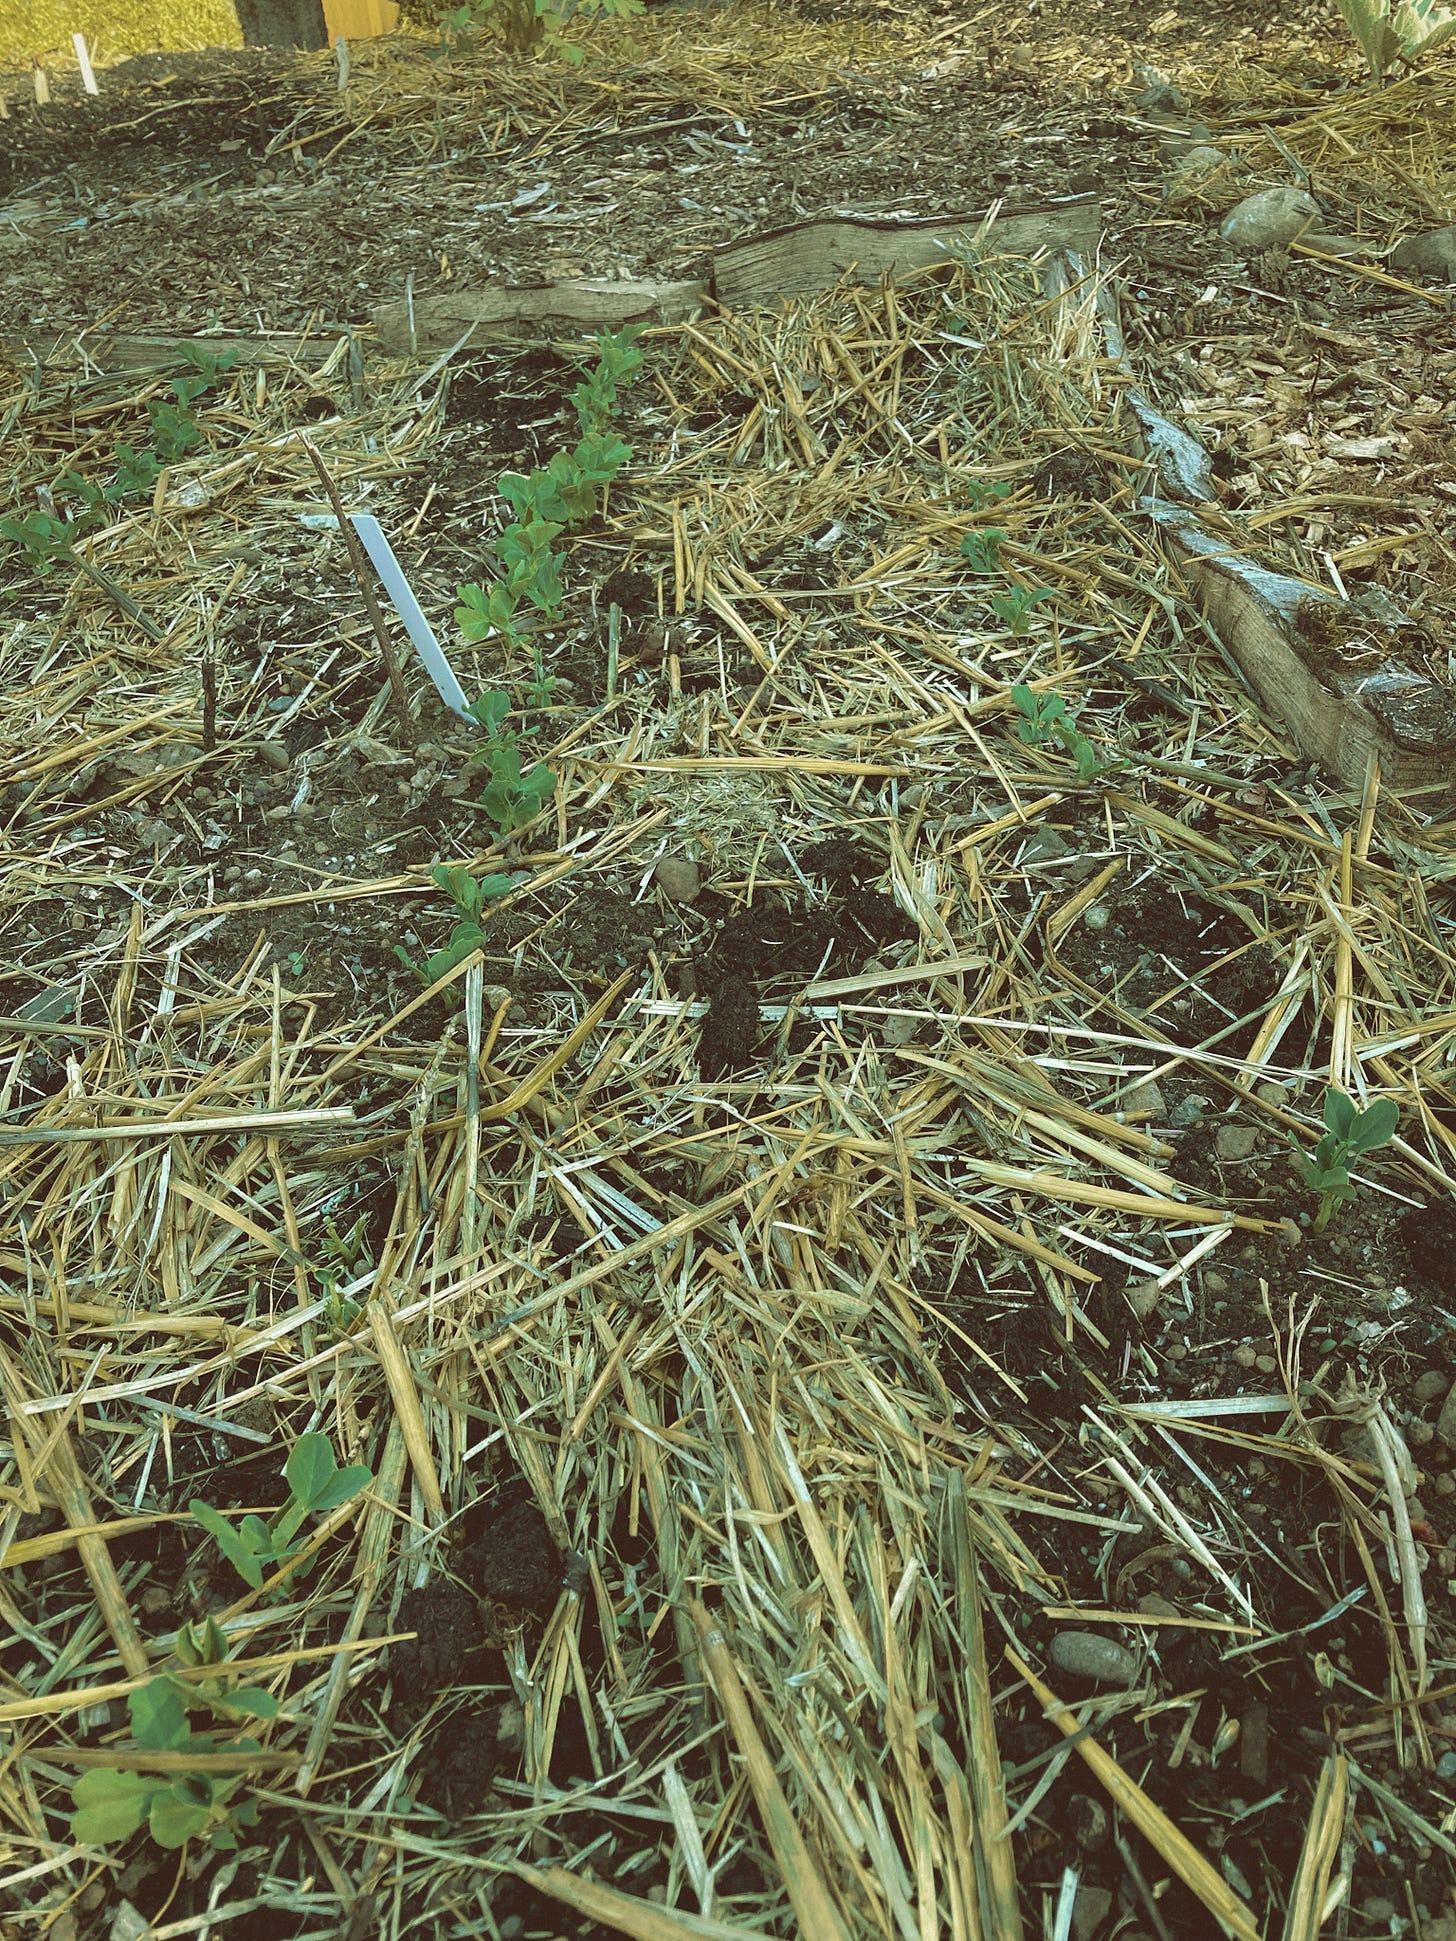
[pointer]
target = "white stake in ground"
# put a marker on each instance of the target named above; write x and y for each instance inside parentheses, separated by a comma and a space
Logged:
(381, 554)
(83, 61)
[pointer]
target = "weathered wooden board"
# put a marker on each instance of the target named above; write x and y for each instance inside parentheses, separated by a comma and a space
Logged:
(125, 351)
(804, 257)
(495, 310)
(1342, 717)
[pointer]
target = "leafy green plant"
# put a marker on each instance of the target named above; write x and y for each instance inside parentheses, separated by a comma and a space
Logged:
(44, 538)
(1348, 1134)
(316, 1485)
(514, 794)
(470, 894)
(527, 26)
(345, 1256)
(1044, 719)
(981, 550)
(984, 492)
(552, 498)
(1012, 608)
(177, 1805)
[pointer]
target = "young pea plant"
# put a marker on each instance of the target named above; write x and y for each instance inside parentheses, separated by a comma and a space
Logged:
(551, 499)
(514, 794)
(470, 894)
(178, 1805)
(1348, 1134)
(981, 550)
(1044, 719)
(316, 1485)
(1012, 608)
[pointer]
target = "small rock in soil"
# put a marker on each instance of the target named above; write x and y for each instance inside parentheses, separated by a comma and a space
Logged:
(1083, 1654)
(1090, 1912)
(678, 879)
(274, 754)
(1146, 1096)
(1235, 1142)
(1087, 1818)
(1431, 1386)
(1271, 216)
(1446, 1421)
(1143, 1298)
(1432, 254)
(1202, 159)
(1266, 1365)
(1187, 1112)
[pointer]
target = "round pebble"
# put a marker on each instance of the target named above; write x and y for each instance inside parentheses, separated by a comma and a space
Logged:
(1083, 1654)
(678, 879)
(1431, 1386)
(1235, 1142)
(1266, 1364)
(274, 754)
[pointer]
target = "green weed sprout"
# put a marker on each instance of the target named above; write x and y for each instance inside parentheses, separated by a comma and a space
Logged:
(1348, 1134)
(316, 1485)
(1044, 719)
(43, 538)
(469, 894)
(984, 492)
(177, 1806)
(981, 550)
(1012, 608)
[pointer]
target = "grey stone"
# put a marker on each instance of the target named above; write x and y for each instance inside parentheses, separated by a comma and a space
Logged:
(1446, 1420)
(1146, 1096)
(1202, 159)
(678, 879)
(1045, 846)
(274, 754)
(1090, 1912)
(1235, 1142)
(1431, 254)
(898, 1029)
(1431, 1386)
(1268, 217)
(1187, 1112)
(1335, 245)
(1084, 1654)
(1159, 95)
(1143, 1297)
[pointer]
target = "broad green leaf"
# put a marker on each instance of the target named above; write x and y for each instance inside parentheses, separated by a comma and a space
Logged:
(110, 1805)
(228, 1541)
(252, 1700)
(539, 782)
(159, 1716)
(176, 1817)
(1374, 1126)
(345, 1483)
(1339, 1112)
(310, 1465)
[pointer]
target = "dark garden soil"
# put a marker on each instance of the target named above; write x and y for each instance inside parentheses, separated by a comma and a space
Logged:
(221, 192)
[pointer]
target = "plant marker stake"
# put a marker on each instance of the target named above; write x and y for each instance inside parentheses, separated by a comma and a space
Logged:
(408, 608)
(371, 606)
(341, 55)
(83, 61)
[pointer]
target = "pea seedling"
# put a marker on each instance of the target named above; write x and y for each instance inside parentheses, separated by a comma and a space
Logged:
(177, 1806)
(469, 894)
(1044, 719)
(1348, 1134)
(316, 1485)
(1012, 608)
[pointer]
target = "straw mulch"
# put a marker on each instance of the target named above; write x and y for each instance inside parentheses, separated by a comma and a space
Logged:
(740, 1337)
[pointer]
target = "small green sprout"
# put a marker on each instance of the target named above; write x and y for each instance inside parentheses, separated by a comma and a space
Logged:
(469, 894)
(177, 1806)
(316, 1485)
(1348, 1134)
(1012, 608)
(984, 492)
(1044, 719)
(981, 550)
(514, 795)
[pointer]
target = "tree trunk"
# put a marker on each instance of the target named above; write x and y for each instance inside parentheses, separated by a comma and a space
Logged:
(282, 23)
